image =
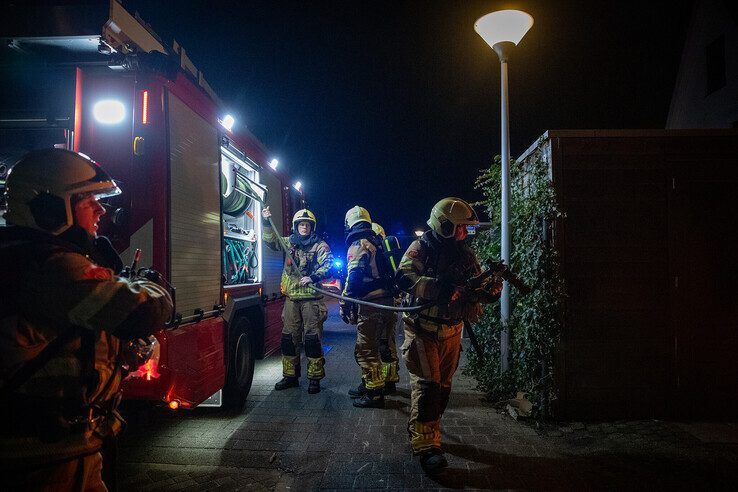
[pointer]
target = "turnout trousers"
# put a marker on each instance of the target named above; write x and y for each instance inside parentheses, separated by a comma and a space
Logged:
(303, 326)
(388, 350)
(431, 358)
(372, 327)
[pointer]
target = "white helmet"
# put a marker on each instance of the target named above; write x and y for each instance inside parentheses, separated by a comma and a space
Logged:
(40, 187)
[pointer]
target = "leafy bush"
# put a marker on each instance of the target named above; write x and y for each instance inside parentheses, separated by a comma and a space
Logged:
(535, 321)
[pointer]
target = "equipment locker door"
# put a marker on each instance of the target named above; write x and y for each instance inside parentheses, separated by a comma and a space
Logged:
(195, 249)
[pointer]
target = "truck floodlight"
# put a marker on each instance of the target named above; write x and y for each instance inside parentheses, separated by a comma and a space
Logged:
(298, 186)
(109, 111)
(227, 122)
(273, 164)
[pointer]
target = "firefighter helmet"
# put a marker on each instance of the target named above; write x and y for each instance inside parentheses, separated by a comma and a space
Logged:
(355, 215)
(378, 230)
(304, 215)
(449, 213)
(41, 185)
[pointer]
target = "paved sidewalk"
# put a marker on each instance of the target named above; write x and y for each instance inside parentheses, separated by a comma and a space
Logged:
(292, 440)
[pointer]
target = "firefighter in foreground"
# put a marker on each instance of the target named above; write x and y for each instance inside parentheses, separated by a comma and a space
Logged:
(387, 340)
(433, 270)
(304, 310)
(368, 277)
(64, 320)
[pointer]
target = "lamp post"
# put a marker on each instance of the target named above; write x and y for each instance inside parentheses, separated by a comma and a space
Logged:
(503, 30)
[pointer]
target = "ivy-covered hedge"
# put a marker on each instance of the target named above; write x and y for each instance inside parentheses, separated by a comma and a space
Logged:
(535, 318)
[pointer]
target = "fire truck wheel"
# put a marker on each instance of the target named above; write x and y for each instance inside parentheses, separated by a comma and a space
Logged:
(240, 367)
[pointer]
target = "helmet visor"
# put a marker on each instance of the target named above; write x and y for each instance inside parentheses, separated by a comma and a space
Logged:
(112, 191)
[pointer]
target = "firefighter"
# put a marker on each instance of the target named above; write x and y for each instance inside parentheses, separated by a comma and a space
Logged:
(304, 310)
(63, 321)
(368, 278)
(431, 271)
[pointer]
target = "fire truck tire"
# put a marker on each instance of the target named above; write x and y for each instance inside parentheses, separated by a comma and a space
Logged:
(241, 366)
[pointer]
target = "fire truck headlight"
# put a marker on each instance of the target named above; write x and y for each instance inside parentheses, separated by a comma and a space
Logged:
(109, 111)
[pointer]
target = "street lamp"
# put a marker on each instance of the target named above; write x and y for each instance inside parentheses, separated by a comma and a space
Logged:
(503, 30)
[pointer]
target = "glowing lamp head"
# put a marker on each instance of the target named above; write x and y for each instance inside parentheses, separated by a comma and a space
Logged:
(298, 186)
(273, 164)
(227, 122)
(109, 112)
(418, 233)
(503, 26)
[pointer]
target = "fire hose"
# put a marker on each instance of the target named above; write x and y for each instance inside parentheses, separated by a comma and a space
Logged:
(396, 309)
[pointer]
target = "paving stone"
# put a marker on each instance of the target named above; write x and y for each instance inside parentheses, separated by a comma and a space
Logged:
(290, 440)
(366, 481)
(337, 481)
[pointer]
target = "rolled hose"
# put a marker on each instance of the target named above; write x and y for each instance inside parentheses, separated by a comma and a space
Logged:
(239, 199)
(396, 309)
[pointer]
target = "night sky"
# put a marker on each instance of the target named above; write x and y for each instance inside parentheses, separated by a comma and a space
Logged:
(394, 105)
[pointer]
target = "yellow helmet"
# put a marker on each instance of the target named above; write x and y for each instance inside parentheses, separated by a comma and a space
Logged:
(304, 215)
(449, 213)
(355, 215)
(40, 187)
(378, 230)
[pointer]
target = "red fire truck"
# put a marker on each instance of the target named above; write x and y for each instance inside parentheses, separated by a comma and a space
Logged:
(98, 80)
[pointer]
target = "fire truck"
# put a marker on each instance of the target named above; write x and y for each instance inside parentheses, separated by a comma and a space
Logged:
(98, 80)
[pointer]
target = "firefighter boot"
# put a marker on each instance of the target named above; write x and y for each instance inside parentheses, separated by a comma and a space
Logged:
(373, 398)
(359, 391)
(287, 382)
(432, 461)
(314, 386)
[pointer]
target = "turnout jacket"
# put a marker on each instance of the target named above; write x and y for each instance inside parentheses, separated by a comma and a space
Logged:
(313, 261)
(428, 272)
(364, 276)
(51, 288)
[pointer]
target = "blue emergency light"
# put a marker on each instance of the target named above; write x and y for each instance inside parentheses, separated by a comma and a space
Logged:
(338, 263)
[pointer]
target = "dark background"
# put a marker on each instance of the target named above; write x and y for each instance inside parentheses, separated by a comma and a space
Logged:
(394, 105)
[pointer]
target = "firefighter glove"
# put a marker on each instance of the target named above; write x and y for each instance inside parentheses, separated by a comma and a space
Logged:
(349, 313)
